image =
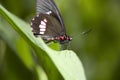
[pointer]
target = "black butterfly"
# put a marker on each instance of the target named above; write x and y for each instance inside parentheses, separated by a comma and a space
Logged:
(48, 22)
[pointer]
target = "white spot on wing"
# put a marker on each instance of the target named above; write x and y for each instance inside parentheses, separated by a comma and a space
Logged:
(31, 29)
(49, 12)
(37, 15)
(33, 18)
(42, 26)
(43, 23)
(45, 20)
(42, 30)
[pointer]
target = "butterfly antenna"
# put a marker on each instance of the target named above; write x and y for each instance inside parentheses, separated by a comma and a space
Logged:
(86, 32)
(83, 33)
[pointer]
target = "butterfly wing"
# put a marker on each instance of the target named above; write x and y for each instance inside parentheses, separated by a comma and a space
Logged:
(43, 25)
(45, 6)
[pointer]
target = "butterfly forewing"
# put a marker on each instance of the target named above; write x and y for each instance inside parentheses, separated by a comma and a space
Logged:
(48, 6)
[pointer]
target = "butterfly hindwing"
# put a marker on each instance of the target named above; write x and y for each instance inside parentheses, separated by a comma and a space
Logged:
(46, 25)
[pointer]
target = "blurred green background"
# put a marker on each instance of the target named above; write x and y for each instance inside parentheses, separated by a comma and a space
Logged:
(99, 50)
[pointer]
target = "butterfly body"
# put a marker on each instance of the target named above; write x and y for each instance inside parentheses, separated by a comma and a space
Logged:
(48, 23)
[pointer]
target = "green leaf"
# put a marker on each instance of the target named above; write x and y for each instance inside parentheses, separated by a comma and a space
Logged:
(16, 43)
(58, 65)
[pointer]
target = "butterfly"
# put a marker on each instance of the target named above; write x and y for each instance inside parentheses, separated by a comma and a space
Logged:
(48, 22)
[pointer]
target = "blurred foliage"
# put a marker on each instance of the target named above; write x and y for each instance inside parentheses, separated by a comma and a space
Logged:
(98, 49)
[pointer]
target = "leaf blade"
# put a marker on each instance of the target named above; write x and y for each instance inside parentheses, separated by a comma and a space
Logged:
(66, 62)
